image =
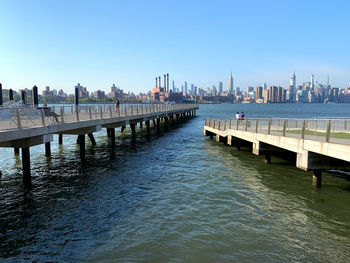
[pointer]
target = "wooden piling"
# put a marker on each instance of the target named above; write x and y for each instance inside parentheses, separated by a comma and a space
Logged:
(133, 131)
(48, 149)
(267, 158)
(317, 178)
(16, 151)
(82, 145)
(148, 128)
(112, 134)
(92, 138)
(60, 138)
(158, 124)
(26, 166)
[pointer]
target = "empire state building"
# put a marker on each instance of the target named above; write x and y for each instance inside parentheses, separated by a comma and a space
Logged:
(230, 84)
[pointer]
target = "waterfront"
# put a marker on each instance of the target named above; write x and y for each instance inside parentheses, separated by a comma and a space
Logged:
(177, 197)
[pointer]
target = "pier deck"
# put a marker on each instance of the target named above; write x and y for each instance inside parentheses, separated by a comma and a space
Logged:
(24, 127)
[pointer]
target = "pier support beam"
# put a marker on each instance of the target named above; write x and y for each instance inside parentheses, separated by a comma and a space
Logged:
(267, 158)
(92, 138)
(16, 151)
(148, 128)
(317, 178)
(133, 131)
(81, 139)
(112, 134)
(123, 128)
(60, 138)
(108, 132)
(26, 166)
(48, 149)
(141, 125)
(158, 124)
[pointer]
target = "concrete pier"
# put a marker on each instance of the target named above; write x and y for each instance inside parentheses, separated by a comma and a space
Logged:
(311, 152)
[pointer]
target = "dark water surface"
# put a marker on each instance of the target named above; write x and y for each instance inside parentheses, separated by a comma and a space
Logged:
(177, 197)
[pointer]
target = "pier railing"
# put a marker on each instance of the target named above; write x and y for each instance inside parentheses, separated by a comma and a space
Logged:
(328, 130)
(26, 117)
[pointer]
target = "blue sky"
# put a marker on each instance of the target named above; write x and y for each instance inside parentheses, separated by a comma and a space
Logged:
(98, 43)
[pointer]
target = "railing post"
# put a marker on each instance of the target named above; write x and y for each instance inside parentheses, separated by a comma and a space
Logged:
(303, 130)
(256, 126)
(328, 134)
(284, 127)
(225, 126)
(246, 125)
(110, 112)
(230, 123)
(19, 124)
(101, 112)
(132, 113)
(90, 113)
(77, 112)
(237, 124)
(62, 114)
(219, 125)
(42, 117)
(125, 113)
(269, 127)
(345, 125)
(137, 109)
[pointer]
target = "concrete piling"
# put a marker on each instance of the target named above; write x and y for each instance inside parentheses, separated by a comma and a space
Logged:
(267, 158)
(60, 138)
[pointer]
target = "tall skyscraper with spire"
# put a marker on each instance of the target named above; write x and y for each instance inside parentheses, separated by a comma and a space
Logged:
(230, 84)
(293, 81)
(312, 84)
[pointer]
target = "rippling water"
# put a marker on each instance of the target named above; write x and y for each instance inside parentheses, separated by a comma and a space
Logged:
(177, 197)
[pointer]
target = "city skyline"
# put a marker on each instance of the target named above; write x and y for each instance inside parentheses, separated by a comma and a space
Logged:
(59, 44)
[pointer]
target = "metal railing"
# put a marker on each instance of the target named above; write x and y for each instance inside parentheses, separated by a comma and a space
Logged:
(328, 130)
(26, 117)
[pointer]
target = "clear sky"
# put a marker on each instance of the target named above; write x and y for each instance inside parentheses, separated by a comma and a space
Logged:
(97, 43)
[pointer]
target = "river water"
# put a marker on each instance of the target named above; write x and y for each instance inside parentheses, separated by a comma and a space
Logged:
(173, 197)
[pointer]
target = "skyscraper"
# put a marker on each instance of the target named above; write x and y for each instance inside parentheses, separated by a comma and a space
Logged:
(220, 87)
(312, 85)
(293, 82)
(230, 84)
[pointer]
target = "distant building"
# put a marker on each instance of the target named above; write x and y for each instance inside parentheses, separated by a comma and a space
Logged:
(83, 93)
(220, 87)
(47, 91)
(99, 95)
(259, 93)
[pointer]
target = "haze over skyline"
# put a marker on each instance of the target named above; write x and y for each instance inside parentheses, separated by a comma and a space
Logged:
(129, 43)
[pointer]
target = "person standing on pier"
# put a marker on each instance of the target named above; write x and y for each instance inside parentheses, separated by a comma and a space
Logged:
(237, 116)
(242, 116)
(117, 105)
